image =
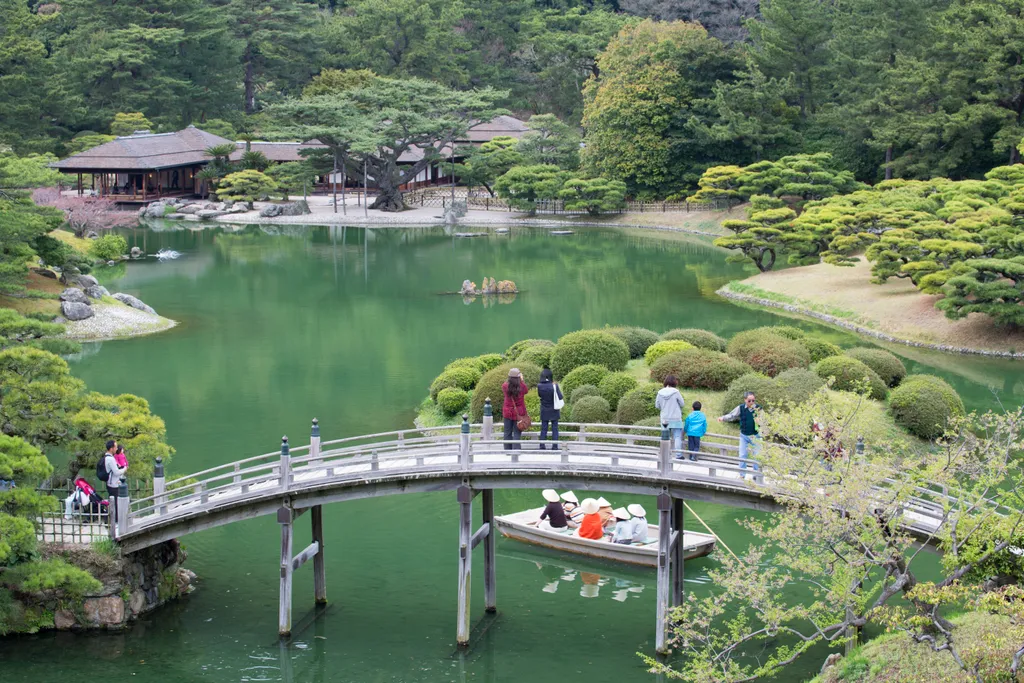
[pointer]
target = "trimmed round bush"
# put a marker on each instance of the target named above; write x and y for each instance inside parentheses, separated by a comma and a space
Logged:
(637, 404)
(616, 385)
(850, 375)
(662, 348)
(472, 362)
(538, 355)
(489, 386)
(646, 422)
(513, 351)
(798, 384)
(924, 404)
(787, 331)
(584, 374)
(820, 349)
(766, 390)
(767, 352)
(583, 391)
(489, 361)
(637, 339)
(702, 339)
(591, 409)
(532, 402)
(889, 367)
(461, 377)
(451, 400)
(588, 347)
(699, 368)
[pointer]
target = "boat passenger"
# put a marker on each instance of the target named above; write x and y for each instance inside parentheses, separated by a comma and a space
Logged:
(623, 528)
(591, 526)
(573, 513)
(638, 523)
(606, 512)
(553, 516)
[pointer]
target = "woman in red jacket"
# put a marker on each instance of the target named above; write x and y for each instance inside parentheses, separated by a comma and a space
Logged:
(514, 406)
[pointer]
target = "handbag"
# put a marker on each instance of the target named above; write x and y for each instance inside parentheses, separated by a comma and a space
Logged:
(524, 423)
(559, 400)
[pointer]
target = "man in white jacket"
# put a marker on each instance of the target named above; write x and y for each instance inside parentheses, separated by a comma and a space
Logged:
(115, 474)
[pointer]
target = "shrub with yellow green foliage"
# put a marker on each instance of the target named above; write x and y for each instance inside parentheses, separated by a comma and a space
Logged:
(661, 348)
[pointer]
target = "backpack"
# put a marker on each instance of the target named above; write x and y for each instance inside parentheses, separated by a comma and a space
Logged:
(101, 468)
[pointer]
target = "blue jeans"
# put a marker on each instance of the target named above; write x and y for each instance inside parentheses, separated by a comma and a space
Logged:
(692, 445)
(749, 444)
(677, 441)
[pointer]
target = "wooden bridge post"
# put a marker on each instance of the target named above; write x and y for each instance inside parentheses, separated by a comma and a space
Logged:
(159, 486)
(488, 427)
(677, 552)
(490, 583)
(319, 571)
(464, 443)
(285, 463)
(285, 517)
(314, 442)
(465, 498)
(665, 452)
(664, 569)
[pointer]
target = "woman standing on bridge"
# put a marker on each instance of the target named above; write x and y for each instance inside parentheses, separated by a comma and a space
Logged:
(548, 391)
(514, 407)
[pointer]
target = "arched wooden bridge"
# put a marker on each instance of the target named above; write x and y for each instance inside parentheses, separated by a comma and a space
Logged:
(626, 459)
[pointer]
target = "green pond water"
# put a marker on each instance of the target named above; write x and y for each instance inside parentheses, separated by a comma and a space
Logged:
(350, 326)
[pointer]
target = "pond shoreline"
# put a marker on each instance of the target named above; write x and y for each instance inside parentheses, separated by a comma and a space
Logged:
(111, 322)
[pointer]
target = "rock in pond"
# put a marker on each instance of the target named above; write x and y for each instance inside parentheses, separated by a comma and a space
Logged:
(270, 211)
(156, 210)
(135, 252)
(75, 311)
(74, 295)
(209, 213)
(129, 300)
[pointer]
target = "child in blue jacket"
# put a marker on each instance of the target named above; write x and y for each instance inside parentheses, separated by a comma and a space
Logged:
(696, 426)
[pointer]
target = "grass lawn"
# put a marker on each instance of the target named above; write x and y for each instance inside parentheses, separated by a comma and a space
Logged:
(36, 284)
(80, 244)
(896, 308)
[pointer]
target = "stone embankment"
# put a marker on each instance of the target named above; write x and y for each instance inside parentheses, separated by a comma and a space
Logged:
(91, 313)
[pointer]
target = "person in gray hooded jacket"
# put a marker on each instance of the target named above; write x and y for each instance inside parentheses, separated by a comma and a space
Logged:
(670, 402)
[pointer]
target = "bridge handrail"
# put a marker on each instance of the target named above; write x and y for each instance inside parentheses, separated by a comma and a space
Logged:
(276, 454)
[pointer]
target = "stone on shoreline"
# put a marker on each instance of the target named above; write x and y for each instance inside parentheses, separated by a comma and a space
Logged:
(73, 310)
(129, 300)
(74, 295)
(210, 213)
(97, 292)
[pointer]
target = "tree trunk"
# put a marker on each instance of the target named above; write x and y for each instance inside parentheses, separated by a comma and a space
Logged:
(761, 265)
(249, 81)
(390, 197)
(888, 162)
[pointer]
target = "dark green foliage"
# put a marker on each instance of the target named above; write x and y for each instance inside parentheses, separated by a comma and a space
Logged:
(819, 348)
(582, 391)
(451, 400)
(584, 374)
(924, 404)
(699, 368)
(646, 422)
(489, 386)
(637, 404)
(125, 418)
(798, 384)
(461, 377)
(538, 355)
(108, 247)
(592, 410)
(990, 286)
(702, 339)
(767, 391)
(489, 361)
(616, 385)
(60, 347)
(53, 577)
(636, 338)
(852, 375)
(788, 331)
(889, 367)
(588, 346)
(768, 352)
(472, 362)
(17, 539)
(24, 464)
(513, 351)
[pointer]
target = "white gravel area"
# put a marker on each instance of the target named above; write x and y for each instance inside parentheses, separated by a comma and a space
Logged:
(116, 321)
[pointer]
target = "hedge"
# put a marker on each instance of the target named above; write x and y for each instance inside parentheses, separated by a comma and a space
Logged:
(538, 355)
(588, 347)
(472, 362)
(702, 339)
(583, 391)
(699, 368)
(820, 349)
(637, 404)
(766, 390)
(662, 348)
(461, 377)
(451, 400)
(850, 375)
(787, 331)
(489, 386)
(616, 385)
(647, 422)
(489, 361)
(798, 384)
(924, 404)
(584, 374)
(513, 351)
(637, 339)
(889, 367)
(591, 409)
(767, 352)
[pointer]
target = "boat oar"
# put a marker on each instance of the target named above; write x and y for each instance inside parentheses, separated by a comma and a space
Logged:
(717, 537)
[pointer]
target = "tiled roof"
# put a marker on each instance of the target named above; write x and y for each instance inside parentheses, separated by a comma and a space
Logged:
(498, 126)
(146, 151)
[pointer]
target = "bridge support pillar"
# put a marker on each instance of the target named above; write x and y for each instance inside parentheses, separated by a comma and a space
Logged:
(285, 517)
(319, 570)
(664, 571)
(490, 604)
(677, 551)
(465, 498)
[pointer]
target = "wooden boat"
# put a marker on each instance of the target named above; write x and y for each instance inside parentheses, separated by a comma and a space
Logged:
(522, 526)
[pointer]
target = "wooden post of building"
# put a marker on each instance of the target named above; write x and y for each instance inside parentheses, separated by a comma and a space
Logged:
(487, 430)
(285, 466)
(319, 571)
(464, 443)
(334, 182)
(465, 498)
(677, 551)
(664, 561)
(285, 517)
(79, 183)
(665, 452)
(490, 604)
(159, 486)
(314, 443)
(366, 199)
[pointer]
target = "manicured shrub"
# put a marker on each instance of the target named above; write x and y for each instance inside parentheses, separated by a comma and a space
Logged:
(489, 386)
(451, 400)
(489, 361)
(461, 377)
(820, 349)
(699, 368)
(662, 348)
(787, 331)
(637, 404)
(924, 404)
(850, 375)
(766, 390)
(702, 339)
(797, 384)
(889, 367)
(584, 374)
(582, 392)
(636, 338)
(538, 355)
(616, 385)
(472, 362)
(646, 422)
(51, 577)
(513, 351)
(532, 402)
(588, 347)
(767, 352)
(108, 247)
(591, 409)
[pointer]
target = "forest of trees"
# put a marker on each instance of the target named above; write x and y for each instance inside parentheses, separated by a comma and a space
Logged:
(908, 89)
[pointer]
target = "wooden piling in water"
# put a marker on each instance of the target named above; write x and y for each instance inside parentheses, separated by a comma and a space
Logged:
(465, 498)
(319, 571)
(677, 551)
(664, 569)
(285, 517)
(490, 604)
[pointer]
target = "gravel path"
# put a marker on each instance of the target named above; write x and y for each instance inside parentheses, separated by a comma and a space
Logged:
(116, 321)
